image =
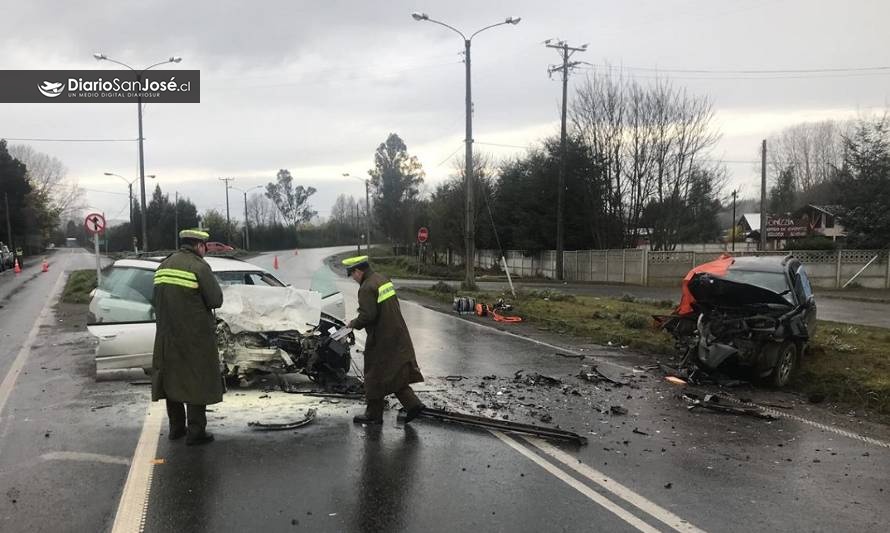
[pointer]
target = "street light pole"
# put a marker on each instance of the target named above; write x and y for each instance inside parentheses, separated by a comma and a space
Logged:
(367, 209)
(172, 59)
(228, 220)
(469, 178)
(246, 220)
(130, 190)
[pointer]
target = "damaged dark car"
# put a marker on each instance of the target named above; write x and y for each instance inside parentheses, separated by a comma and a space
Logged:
(754, 314)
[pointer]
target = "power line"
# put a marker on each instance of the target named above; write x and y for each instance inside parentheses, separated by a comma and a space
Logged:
(22, 139)
(450, 156)
(104, 192)
(760, 71)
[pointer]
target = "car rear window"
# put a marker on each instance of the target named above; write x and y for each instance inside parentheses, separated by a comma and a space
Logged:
(774, 281)
(128, 283)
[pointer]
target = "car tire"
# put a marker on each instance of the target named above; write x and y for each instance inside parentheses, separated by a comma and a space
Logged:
(786, 364)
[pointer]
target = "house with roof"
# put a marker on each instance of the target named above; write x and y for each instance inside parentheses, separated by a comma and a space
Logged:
(822, 220)
(749, 223)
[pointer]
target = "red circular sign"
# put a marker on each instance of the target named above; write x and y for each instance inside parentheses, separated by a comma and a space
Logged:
(422, 235)
(94, 223)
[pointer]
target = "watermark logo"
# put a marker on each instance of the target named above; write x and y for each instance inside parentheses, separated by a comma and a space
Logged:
(99, 86)
(51, 89)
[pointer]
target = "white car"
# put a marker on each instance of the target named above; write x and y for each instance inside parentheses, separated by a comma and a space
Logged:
(253, 298)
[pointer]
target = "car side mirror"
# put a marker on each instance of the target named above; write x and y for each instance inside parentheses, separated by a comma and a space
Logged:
(811, 301)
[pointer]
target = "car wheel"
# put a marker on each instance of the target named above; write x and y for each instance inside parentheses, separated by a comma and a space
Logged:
(786, 363)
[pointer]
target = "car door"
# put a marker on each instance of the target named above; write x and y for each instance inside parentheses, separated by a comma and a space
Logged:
(804, 290)
(125, 319)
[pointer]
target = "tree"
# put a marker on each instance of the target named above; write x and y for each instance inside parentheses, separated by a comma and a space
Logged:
(445, 214)
(865, 184)
(214, 223)
(782, 194)
(395, 180)
(291, 200)
(811, 152)
(261, 210)
(14, 189)
(648, 140)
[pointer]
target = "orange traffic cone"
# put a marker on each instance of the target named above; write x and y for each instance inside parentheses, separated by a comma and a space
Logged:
(45, 266)
(275, 263)
(18, 269)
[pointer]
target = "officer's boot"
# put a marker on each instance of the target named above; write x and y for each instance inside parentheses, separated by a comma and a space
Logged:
(412, 404)
(197, 424)
(373, 413)
(176, 419)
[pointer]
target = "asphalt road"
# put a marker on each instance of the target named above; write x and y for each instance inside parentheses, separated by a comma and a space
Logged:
(834, 309)
(660, 467)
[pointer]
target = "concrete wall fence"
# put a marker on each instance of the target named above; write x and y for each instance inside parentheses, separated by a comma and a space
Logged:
(826, 268)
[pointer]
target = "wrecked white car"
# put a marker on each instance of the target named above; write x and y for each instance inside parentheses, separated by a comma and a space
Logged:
(263, 326)
(754, 313)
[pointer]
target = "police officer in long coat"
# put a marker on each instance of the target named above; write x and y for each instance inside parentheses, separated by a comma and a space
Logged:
(186, 369)
(390, 363)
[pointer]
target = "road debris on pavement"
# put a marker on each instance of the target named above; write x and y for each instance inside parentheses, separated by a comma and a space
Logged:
(503, 425)
(259, 426)
(712, 402)
(593, 374)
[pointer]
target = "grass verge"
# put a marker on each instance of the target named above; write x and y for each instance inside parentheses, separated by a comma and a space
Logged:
(78, 287)
(404, 266)
(845, 364)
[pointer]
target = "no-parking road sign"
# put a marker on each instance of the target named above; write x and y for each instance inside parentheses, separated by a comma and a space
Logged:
(94, 224)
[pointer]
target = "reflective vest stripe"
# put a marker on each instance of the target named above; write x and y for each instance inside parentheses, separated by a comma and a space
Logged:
(176, 273)
(385, 292)
(168, 280)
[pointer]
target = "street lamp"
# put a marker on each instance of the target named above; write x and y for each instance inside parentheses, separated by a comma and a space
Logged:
(246, 220)
(367, 208)
(172, 59)
(470, 259)
(130, 188)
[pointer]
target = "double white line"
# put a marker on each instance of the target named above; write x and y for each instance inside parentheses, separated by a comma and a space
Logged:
(605, 482)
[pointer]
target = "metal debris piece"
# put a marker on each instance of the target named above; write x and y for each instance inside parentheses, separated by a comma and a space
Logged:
(712, 402)
(539, 379)
(593, 374)
(618, 410)
(491, 423)
(638, 432)
(571, 355)
(259, 426)
(455, 378)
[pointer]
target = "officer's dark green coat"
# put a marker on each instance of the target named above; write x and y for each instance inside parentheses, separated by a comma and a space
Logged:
(186, 360)
(390, 363)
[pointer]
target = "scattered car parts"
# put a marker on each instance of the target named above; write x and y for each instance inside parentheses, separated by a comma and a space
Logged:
(259, 426)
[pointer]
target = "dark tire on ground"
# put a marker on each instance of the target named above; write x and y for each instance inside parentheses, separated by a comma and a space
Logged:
(786, 364)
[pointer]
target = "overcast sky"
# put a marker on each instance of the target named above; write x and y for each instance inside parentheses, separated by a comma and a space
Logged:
(314, 87)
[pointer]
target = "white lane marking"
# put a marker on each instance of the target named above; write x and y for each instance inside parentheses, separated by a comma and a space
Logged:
(818, 425)
(604, 481)
(577, 485)
(523, 337)
(19, 362)
(86, 457)
(133, 507)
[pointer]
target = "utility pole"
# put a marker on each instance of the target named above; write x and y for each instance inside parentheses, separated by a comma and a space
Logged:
(469, 181)
(228, 222)
(368, 215)
(732, 231)
(763, 196)
(8, 225)
(246, 225)
(176, 220)
(566, 52)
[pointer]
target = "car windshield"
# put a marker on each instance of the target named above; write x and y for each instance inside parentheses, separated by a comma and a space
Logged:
(248, 277)
(774, 281)
(324, 281)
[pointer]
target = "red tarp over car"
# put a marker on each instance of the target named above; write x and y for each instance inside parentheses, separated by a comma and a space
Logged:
(717, 267)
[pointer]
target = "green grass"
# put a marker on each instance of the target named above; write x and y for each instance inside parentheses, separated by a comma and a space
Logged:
(404, 266)
(845, 364)
(78, 287)
(849, 364)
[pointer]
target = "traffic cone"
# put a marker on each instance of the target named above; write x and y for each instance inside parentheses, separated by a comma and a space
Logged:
(275, 263)
(18, 269)
(45, 266)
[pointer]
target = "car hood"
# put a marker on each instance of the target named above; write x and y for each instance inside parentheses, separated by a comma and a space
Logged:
(712, 290)
(261, 309)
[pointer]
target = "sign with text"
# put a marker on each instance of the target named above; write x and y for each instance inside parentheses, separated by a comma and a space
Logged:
(785, 227)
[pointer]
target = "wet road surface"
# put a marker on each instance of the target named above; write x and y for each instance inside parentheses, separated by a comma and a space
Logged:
(659, 467)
